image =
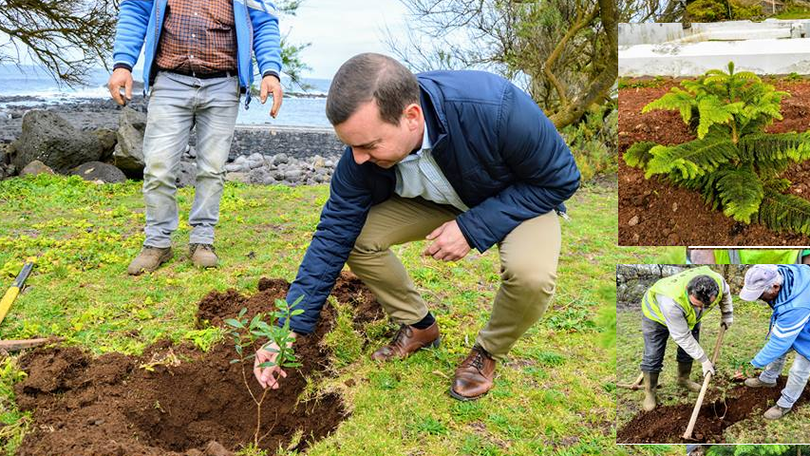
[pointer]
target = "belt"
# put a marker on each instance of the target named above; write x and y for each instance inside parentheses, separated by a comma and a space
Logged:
(199, 75)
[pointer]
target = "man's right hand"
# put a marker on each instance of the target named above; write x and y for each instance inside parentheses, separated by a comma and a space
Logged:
(708, 368)
(120, 78)
(269, 377)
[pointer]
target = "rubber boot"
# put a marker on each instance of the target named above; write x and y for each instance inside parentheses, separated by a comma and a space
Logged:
(684, 369)
(650, 384)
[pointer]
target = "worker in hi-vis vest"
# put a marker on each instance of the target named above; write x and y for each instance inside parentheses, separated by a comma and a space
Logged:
(674, 306)
(748, 256)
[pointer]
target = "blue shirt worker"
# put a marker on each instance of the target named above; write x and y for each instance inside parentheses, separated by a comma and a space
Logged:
(786, 289)
(198, 58)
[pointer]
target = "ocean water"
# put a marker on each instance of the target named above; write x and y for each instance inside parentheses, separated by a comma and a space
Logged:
(27, 80)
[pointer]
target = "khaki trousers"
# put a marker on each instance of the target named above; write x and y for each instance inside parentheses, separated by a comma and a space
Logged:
(529, 256)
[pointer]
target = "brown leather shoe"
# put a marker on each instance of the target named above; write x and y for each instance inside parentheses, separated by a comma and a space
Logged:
(474, 377)
(203, 255)
(149, 259)
(408, 340)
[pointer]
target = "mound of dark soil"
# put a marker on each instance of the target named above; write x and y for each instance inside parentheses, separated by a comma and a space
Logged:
(177, 400)
(666, 424)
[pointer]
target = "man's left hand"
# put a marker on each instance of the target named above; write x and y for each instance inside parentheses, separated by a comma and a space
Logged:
(272, 86)
(448, 244)
(726, 324)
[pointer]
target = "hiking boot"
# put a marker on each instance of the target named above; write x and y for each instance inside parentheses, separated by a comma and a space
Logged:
(149, 259)
(650, 384)
(684, 369)
(408, 340)
(475, 376)
(757, 383)
(776, 412)
(202, 255)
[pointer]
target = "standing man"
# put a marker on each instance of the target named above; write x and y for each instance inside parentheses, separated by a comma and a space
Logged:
(463, 159)
(786, 289)
(197, 61)
(674, 306)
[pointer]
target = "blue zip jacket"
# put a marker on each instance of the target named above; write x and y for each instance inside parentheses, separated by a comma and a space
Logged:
(256, 24)
(791, 314)
(501, 154)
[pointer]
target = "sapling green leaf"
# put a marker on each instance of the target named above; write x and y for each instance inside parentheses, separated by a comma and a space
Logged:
(247, 334)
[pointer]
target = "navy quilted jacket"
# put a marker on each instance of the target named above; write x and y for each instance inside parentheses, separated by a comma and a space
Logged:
(501, 154)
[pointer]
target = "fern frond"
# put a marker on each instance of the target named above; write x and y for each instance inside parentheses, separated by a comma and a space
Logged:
(775, 147)
(741, 193)
(715, 111)
(638, 154)
(691, 159)
(781, 212)
(705, 185)
(777, 185)
(675, 99)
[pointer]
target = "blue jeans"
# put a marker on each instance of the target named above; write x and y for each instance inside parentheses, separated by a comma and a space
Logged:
(177, 103)
(655, 345)
(797, 378)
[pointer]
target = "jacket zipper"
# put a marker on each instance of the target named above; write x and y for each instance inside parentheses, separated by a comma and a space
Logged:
(249, 25)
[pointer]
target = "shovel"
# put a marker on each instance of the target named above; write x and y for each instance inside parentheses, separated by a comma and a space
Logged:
(688, 434)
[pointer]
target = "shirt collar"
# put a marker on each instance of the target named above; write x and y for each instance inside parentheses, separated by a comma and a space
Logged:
(426, 145)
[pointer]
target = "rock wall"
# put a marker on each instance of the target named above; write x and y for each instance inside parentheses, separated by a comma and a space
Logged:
(633, 280)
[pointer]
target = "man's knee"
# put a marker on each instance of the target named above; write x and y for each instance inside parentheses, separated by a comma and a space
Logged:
(530, 276)
(156, 174)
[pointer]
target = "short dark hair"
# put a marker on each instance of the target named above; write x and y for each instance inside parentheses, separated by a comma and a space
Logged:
(704, 288)
(367, 77)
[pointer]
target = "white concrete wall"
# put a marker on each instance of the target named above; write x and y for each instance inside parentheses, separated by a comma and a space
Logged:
(647, 33)
(651, 33)
(766, 56)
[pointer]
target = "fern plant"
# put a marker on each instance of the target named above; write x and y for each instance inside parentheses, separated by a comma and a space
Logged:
(733, 163)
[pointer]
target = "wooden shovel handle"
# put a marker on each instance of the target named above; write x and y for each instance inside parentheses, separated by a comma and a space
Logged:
(691, 427)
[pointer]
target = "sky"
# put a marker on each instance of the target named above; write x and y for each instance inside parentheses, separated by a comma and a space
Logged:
(341, 29)
(337, 29)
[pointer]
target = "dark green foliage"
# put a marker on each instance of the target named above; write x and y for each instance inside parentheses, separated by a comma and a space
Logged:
(638, 154)
(741, 193)
(734, 164)
(752, 450)
(785, 212)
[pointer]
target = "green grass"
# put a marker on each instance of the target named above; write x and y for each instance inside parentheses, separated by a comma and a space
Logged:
(740, 343)
(555, 395)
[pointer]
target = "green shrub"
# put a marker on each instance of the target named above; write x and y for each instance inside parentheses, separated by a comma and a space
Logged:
(593, 142)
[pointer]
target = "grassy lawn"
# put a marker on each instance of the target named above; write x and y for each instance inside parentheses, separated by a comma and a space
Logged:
(743, 340)
(556, 394)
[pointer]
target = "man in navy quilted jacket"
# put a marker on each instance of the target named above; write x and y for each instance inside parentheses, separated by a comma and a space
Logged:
(197, 62)
(463, 159)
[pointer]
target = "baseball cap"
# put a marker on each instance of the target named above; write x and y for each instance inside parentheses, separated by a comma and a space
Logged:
(758, 278)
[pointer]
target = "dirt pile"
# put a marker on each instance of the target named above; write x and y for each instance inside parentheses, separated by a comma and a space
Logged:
(666, 424)
(177, 400)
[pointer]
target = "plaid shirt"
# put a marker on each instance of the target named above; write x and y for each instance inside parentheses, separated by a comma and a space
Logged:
(198, 37)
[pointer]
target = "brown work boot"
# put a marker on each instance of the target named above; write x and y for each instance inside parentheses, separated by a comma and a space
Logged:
(149, 259)
(755, 382)
(474, 377)
(684, 369)
(202, 255)
(408, 340)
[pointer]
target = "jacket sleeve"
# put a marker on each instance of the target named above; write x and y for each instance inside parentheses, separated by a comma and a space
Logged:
(133, 19)
(342, 219)
(546, 173)
(783, 334)
(679, 328)
(266, 36)
(727, 305)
